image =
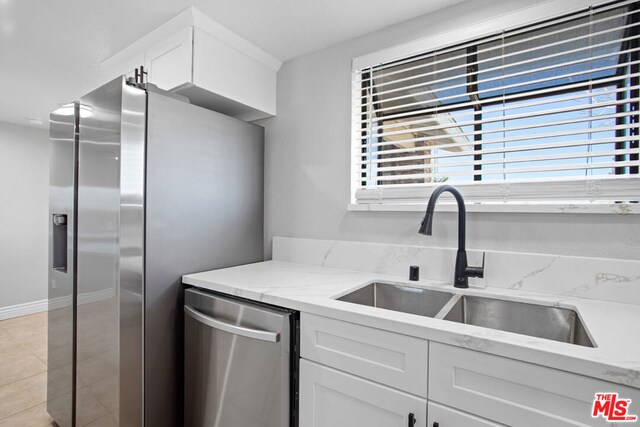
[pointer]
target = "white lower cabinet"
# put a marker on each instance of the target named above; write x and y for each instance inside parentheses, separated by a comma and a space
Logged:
(442, 416)
(395, 360)
(513, 392)
(352, 375)
(330, 398)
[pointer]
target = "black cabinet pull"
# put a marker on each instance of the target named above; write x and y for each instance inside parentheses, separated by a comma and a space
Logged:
(412, 419)
(436, 424)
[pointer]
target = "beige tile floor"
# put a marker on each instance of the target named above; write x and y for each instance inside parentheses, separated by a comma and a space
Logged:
(23, 371)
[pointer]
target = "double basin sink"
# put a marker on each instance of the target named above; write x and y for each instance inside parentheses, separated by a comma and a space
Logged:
(541, 321)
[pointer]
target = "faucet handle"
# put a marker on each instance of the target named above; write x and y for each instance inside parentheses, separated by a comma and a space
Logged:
(476, 271)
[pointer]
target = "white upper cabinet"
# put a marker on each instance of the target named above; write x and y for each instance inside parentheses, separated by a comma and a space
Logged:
(194, 56)
(247, 81)
(169, 62)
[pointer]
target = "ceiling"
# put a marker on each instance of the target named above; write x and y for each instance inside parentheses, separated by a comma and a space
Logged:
(50, 50)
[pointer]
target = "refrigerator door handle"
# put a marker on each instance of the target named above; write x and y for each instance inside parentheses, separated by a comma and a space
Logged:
(230, 328)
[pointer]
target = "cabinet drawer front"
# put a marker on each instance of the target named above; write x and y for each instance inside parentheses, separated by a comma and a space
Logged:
(330, 398)
(514, 392)
(443, 416)
(398, 361)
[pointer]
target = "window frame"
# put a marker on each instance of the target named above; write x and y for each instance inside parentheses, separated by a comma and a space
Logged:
(496, 193)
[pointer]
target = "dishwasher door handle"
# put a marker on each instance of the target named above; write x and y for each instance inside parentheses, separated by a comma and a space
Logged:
(231, 328)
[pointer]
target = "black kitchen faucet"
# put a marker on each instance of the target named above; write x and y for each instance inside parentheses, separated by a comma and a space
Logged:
(463, 271)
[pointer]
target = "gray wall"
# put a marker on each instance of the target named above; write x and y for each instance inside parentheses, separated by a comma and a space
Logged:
(24, 204)
(308, 150)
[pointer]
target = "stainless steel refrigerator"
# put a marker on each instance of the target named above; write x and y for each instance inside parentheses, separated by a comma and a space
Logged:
(144, 187)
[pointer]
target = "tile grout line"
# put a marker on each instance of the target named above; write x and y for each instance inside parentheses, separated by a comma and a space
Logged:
(9, 332)
(29, 351)
(18, 413)
(40, 359)
(30, 407)
(19, 341)
(24, 410)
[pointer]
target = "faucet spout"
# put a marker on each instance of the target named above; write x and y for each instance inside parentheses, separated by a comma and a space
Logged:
(427, 225)
(427, 222)
(462, 270)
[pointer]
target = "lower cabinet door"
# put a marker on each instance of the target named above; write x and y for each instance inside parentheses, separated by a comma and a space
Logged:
(516, 393)
(443, 416)
(330, 398)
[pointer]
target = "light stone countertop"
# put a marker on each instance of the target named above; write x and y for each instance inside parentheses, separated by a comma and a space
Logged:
(613, 326)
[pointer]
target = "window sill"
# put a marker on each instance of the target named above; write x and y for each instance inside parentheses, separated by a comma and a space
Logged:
(561, 208)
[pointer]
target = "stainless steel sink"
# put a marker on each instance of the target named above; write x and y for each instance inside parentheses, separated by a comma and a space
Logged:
(536, 320)
(550, 322)
(407, 299)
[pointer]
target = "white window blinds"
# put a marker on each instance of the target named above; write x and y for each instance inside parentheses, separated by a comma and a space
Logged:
(546, 112)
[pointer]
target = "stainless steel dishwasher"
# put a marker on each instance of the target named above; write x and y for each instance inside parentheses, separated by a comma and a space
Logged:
(241, 362)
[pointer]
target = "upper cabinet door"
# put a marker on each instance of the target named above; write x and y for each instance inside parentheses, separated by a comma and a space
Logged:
(169, 63)
(330, 398)
(227, 71)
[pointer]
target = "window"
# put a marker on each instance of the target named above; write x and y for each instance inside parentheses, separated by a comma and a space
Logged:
(543, 113)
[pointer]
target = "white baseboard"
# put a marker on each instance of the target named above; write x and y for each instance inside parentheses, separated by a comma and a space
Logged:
(23, 309)
(18, 310)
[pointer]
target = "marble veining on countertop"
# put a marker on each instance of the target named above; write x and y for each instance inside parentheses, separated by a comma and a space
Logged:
(613, 326)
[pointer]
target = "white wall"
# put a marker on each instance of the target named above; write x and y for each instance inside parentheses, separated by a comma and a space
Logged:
(24, 204)
(307, 163)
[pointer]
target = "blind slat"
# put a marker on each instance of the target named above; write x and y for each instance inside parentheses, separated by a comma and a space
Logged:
(500, 35)
(578, 108)
(503, 88)
(509, 160)
(431, 139)
(531, 147)
(560, 190)
(506, 171)
(534, 137)
(466, 65)
(374, 128)
(504, 99)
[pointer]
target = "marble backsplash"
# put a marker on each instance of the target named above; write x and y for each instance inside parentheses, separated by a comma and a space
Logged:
(593, 278)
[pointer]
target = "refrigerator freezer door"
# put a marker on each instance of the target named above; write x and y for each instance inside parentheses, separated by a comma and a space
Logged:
(62, 159)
